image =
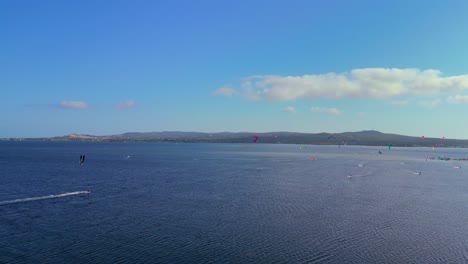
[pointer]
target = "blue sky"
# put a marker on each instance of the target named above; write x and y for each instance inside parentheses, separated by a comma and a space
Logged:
(108, 67)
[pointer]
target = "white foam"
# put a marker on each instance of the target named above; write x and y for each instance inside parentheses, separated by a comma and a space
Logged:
(358, 175)
(53, 196)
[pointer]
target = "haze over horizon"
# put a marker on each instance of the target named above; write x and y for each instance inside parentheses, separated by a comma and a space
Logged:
(111, 67)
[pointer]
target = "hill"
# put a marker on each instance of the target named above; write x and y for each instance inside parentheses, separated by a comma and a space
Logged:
(367, 137)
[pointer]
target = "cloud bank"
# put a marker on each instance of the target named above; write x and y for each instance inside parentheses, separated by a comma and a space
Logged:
(371, 83)
(73, 104)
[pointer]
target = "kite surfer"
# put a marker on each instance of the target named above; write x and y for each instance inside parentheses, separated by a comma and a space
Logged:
(82, 159)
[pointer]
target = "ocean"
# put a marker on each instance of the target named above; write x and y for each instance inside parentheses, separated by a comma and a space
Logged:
(231, 203)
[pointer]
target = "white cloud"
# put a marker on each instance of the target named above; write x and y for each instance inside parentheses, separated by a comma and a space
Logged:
(73, 104)
(430, 103)
(457, 99)
(376, 83)
(399, 102)
(249, 90)
(225, 91)
(289, 109)
(331, 111)
(126, 104)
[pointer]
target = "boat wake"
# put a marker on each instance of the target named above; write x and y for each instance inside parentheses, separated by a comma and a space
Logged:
(358, 175)
(53, 196)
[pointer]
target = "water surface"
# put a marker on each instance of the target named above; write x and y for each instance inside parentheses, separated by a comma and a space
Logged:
(232, 203)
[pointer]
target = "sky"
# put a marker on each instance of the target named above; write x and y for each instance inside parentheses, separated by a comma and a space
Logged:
(110, 67)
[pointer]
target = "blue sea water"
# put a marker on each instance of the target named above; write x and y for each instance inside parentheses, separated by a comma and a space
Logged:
(232, 203)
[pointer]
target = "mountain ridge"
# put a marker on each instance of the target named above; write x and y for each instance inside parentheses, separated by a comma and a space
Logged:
(364, 137)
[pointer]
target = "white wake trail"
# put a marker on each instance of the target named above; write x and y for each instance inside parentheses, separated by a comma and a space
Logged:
(358, 175)
(53, 196)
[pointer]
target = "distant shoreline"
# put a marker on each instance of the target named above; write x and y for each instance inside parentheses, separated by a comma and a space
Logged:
(360, 138)
(212, 142)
